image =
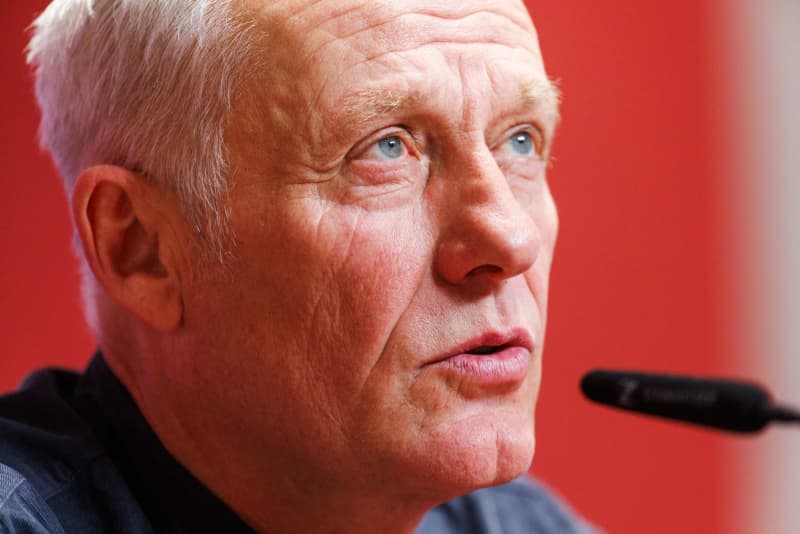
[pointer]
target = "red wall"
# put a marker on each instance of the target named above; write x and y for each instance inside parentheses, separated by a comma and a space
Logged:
(635, 282)
(40, 315)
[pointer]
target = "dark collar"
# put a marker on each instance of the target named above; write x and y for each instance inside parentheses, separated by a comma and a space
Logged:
(171, 497)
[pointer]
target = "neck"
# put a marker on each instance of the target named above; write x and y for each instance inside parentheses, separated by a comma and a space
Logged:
(274, 489)
(271, 498)
(328, 513)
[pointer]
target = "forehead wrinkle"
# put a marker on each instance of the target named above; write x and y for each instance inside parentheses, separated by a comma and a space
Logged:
(519, 19)
(329, 21)
(337, 10)
(427, 28)
(346, 28)
(435, 16)
(513, 30)
(386, 100)
(510, 28)
(332, 15)
(321, 13)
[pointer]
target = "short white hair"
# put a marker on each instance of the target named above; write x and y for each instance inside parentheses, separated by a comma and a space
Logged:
(146, 85)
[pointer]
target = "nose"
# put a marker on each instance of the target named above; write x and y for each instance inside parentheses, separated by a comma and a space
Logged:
(487, 235)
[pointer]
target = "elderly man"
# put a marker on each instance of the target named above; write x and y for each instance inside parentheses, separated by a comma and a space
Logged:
(315, 238)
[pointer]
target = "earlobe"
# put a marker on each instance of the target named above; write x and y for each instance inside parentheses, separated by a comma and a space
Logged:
(119, 218)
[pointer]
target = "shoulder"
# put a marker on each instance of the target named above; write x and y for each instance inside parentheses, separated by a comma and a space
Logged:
(42, 437)
(523, 506)
(22, 509)
(46, 457)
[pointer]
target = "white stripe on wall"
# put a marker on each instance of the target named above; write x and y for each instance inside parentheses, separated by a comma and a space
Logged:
(763, 41)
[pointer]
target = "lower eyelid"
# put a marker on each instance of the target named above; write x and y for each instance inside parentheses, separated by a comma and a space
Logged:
(381, 172)
(530, 164)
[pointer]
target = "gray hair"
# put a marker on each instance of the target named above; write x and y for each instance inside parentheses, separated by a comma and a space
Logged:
(146, 85)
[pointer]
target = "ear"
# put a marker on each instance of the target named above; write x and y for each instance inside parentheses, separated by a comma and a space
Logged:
(126, 231)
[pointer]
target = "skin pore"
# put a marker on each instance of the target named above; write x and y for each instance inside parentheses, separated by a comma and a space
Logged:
(389, 202)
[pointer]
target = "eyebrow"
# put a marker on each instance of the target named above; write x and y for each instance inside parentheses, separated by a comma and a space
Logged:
(363, 106)
(368, 104)
(543, 93)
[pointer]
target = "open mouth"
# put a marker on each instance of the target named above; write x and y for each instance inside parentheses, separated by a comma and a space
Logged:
(485, 350)
(488, 362)
(491, 345)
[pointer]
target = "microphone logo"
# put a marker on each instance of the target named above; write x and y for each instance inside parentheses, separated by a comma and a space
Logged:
(629, 386)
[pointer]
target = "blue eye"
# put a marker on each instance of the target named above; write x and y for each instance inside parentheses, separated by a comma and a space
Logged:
(391, 147)
(522, 143)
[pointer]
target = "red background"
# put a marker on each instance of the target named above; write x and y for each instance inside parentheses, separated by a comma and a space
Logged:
(636, 282)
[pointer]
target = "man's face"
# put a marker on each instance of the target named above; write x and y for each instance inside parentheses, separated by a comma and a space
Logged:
(393, 222)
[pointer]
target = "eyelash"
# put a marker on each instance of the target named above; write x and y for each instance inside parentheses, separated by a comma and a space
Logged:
(372, 144)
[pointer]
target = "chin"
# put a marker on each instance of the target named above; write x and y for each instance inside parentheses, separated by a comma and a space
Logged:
(476, 453)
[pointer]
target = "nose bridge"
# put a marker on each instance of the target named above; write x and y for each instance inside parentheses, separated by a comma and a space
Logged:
(486, 232)
(491, 204)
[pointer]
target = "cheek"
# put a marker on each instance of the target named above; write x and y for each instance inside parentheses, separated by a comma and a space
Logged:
(306, 311)
(545, 217)
(329, 292)
(373, 278)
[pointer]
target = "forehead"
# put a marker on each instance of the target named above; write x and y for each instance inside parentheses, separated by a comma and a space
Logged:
(323, 55)
(370, 12)
(314, 29)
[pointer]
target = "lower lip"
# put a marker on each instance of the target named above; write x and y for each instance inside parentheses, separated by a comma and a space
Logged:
(506, 367)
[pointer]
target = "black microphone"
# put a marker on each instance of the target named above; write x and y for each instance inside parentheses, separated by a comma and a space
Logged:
(730, 405)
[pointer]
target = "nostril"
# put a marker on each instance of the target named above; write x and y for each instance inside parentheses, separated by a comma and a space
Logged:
(491, 269)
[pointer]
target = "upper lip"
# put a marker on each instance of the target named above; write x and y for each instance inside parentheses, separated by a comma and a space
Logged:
(514, 337)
